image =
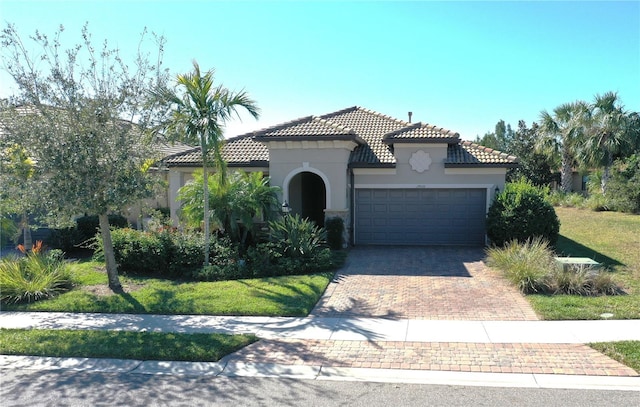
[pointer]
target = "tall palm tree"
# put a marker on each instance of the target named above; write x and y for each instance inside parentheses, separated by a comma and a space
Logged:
(199, 112)
(560, 132)
(609, 135)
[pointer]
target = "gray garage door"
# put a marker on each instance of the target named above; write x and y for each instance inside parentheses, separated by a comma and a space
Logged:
(420, 216)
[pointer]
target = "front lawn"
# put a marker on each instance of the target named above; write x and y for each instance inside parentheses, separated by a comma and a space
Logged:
(121, 344)
(273, 296)
(611, 238)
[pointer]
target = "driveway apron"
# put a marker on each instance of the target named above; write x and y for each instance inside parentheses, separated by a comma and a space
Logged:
(427, 283)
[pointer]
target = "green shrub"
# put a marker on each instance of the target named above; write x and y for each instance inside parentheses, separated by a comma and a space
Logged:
(65, 239)
(597, 202)
(335, 231)
(296, 237)
(524, 264)
(532, 267)
(88, 226)
(137, 252)
(521, 213)
(33, 277)
(623, 189)
(581, 281)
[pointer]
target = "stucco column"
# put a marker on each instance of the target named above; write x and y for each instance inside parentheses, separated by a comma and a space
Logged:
(175, 182)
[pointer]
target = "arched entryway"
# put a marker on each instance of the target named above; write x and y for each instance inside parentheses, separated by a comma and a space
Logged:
(308, 196)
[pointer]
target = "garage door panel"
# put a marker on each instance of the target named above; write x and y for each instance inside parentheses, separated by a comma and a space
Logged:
(420, 216)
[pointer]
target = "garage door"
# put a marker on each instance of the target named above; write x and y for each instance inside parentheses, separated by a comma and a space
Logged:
(420, 216)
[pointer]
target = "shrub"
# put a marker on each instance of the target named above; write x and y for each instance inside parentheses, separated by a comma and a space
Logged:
(581, 281)
(532, 267)
(137, 252)
(65, 239)
(624, 187)
(296, 237)
(88, 226)
(33, 277)
(521, 213)
(524, 264)
(335, 230)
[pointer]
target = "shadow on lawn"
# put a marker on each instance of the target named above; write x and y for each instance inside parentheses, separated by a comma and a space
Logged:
(571, 248)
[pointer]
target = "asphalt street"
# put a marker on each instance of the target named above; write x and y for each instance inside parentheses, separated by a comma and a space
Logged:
(70, 388)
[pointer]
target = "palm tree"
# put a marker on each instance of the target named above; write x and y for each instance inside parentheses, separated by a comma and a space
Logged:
(242, 198)
(560, 132)
(198, 116)
(609, 135)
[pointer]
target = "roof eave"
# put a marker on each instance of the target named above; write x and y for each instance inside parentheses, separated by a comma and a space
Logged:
(429, 140)
(309, 137)
(371, 165)
(481, 165)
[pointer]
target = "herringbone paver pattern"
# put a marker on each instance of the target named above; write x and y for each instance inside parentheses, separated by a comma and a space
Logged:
(422, 283)
(570, 359)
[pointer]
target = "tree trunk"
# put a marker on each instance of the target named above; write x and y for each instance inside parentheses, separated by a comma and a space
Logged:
(205, 188)
(109, 254)
(566, 176)
(26, 233)
(606, 174)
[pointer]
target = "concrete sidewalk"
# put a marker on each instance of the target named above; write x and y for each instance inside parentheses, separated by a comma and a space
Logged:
(489, 353)
(348, 329)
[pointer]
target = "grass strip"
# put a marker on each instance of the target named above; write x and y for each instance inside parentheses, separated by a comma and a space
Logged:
(625, 352)
(274, 296)
(196, 347)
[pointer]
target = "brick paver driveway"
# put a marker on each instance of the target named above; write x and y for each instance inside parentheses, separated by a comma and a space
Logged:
(427, 283)
(421, 283)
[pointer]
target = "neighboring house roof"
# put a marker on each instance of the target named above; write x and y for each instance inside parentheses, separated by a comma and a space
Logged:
(374, 133)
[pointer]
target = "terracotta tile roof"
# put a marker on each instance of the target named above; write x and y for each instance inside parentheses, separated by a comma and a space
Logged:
(240, 151)
(374, 132)
(305, 127)
(421, 133)
(468, 154)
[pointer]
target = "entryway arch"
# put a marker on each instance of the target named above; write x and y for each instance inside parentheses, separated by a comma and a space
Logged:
(307, 192)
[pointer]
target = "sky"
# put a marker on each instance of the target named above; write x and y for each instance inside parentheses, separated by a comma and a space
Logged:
(459, 65)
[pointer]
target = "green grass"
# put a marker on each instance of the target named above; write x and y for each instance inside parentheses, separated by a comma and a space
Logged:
(121, 344)
(611, 238)
(625, 352)
(275, 296)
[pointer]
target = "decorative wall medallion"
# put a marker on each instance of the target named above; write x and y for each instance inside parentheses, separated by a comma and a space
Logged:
(420, 161)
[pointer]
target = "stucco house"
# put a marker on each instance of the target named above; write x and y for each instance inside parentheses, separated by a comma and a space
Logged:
(392, 181)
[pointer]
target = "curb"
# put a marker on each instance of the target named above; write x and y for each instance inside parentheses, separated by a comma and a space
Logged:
(242, 369)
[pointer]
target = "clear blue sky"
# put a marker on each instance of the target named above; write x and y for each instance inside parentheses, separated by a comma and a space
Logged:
(459, 65)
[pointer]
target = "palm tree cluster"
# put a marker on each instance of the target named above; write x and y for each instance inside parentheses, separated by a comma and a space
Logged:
(198, 112)
(590, 135)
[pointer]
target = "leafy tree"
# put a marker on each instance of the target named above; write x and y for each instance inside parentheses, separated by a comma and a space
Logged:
(81, 114)
(624, 186)
(560, 132)
(611, 133)
(500, 139)
(19, 179)
(534, 165)
(199, 112)
(243, 197)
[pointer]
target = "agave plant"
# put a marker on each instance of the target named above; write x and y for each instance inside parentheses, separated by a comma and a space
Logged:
(297, 237)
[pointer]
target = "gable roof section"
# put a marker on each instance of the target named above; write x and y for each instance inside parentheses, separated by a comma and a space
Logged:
(306, 128)
(421, 133)
(374, 133)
